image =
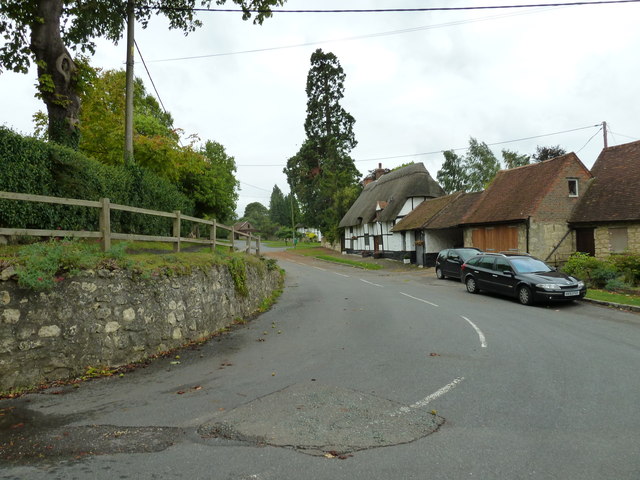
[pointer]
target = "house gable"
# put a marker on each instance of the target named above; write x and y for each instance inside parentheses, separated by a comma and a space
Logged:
(533, 190)
(614, 195)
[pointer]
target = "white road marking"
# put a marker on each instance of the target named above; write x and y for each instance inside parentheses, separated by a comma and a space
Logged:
(483, 341)
(318, 268)
(428, 399)
(342, 275)
(370, 283)
(419, 299)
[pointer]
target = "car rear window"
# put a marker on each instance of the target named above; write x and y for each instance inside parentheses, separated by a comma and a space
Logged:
(486, 262)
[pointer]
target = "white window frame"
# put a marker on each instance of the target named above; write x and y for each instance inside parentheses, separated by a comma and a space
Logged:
(575, 182)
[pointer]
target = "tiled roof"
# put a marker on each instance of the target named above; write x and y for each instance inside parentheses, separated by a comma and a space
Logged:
(516, 193)
(394, 188)
(614, 194)
(452, 215)
(425, 212)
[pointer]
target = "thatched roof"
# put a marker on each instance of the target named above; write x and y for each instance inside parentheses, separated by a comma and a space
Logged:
(394, 188)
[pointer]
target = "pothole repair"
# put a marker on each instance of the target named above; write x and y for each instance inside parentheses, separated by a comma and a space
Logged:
(317, 419)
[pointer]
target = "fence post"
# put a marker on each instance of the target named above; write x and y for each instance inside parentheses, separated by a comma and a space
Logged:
(248, 244)
(105, 224)
(233, 238)
(258, 246)
(212, 236)
(176, 231)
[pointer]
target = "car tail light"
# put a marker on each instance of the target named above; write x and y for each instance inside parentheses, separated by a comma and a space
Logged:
(462, 267)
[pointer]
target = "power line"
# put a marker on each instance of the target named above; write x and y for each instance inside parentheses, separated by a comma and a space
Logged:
(401, 10)
(349, 39)
(435, 152)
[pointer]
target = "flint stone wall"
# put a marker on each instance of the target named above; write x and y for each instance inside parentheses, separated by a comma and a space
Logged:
(111, 318)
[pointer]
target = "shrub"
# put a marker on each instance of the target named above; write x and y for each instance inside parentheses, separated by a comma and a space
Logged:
(582, 265)
(629, 265)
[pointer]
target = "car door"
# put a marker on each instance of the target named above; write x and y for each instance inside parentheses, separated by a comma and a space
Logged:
(503, 277)
(483, 271)
(452, 264)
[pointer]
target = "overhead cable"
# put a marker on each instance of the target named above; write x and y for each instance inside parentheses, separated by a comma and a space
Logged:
(403, 10)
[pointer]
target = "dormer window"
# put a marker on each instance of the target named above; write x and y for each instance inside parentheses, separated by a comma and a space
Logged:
(573, 187)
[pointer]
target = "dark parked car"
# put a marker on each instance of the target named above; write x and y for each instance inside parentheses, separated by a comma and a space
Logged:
(521, 276)
(450, 260)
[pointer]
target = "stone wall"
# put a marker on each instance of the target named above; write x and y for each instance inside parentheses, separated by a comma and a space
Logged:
(602, 239)
(110, 319)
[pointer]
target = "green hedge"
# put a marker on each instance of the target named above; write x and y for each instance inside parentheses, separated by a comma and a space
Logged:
(31, 166)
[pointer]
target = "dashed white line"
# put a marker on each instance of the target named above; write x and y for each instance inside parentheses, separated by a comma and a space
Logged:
(342, 275)
(318, 268)
(371, 283)
(428, 399)
(419, 299)
(483, 341)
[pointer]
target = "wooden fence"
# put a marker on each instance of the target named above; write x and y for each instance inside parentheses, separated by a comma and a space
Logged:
(106, 235)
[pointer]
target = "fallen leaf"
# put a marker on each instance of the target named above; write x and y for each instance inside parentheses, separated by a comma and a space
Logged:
(434, 354)
(180, 392)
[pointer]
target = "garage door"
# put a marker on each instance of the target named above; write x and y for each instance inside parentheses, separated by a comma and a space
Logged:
(501, 238)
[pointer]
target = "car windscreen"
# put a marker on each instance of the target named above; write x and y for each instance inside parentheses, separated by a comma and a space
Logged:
(529, 265)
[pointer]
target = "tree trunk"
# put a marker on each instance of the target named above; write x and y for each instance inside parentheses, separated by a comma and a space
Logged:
(57, 74)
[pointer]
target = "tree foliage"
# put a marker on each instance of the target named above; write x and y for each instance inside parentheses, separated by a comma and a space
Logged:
(42, 32)
(471, 172)
(514, 159)
(205, 174)
(322, 167)
(452, 176)
(547, 153)
(279, 210)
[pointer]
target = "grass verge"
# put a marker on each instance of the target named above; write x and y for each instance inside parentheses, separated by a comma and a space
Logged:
(623, 298)
(327, 255)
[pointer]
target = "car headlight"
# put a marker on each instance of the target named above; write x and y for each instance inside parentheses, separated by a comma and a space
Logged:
(580, 285)
(548, 286)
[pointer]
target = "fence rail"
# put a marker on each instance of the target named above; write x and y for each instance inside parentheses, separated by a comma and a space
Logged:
(105, 234)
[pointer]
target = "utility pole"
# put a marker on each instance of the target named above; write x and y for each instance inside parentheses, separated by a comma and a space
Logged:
(293, 223)
(128, 121)
(604, 132)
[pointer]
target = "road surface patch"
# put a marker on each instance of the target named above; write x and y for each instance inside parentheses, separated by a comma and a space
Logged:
(315, 419)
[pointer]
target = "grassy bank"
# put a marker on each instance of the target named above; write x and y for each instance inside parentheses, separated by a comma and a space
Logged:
(325, 254)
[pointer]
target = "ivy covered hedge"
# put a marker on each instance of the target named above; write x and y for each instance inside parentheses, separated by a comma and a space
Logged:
(32, 166)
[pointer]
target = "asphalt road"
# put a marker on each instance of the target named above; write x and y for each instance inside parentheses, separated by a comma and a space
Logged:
(358, 375)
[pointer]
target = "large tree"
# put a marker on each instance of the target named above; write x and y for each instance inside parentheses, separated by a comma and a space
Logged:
(471, 172)
(44, 31)
(323, 167)
(279, 211)
(452, 176)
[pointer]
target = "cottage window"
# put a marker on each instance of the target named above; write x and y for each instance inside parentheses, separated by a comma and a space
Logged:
(573, 187)
(618, 240)
(366, 239)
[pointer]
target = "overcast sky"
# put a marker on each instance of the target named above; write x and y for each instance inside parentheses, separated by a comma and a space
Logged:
(416, 83)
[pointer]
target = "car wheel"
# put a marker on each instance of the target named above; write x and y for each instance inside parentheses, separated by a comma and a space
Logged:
(525, 297)
(439, 274)
(472, 286)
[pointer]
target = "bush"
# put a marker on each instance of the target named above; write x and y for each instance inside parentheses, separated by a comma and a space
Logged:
(582, 265)
(616, 285)
(32, 166)
(629, 265)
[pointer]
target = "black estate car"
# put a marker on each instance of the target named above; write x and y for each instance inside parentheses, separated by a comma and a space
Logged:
(521, 276)
(450, 260)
